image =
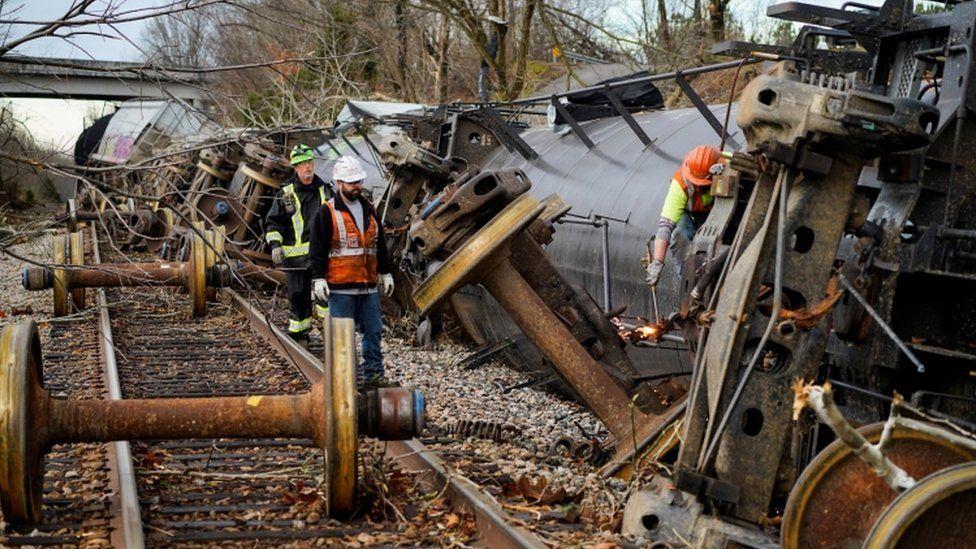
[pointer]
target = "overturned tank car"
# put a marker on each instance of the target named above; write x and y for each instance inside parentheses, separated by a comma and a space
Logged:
(834, 273)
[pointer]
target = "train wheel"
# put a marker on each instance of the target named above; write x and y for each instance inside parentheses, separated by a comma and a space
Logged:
(21, 456)
(477, 253)
(61, 305)
(838, 497)
(198, 274)
(76, 243)
(342, 444)
(936, 512)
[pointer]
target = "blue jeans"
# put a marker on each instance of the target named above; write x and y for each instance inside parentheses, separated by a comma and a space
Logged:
(364, 309)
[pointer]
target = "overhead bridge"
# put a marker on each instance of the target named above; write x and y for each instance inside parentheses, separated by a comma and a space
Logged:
(93, 79)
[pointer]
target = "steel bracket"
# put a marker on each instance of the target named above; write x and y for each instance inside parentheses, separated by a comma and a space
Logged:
(801, 158)
(717, 492)
(509, 138)
(706, 113)
(573, 124)
(625, 114)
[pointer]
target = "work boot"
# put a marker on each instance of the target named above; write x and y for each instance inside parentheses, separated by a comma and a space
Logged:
(378, 381)
(300, 337)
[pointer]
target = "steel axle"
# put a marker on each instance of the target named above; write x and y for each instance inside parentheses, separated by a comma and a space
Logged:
(200, 271)
(33, 420)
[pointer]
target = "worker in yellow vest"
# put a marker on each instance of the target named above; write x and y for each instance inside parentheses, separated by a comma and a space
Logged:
(686, 206)
(287, 228)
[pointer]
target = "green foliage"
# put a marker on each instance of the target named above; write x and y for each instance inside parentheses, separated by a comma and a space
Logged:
(926, 7)
(779, 33)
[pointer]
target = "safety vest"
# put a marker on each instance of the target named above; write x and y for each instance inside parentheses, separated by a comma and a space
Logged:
(352, 258)
(698, 201)
(299, 248)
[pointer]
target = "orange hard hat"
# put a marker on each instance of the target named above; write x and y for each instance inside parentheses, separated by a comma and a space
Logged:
(697, 163)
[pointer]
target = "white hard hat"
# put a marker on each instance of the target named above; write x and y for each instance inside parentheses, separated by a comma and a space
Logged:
(348, 169)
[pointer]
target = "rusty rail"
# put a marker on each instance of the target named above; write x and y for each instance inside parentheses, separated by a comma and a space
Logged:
(494, 524)
(126, 521)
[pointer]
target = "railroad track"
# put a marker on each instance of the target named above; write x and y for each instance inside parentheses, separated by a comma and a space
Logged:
(475, 460)
(190, 492)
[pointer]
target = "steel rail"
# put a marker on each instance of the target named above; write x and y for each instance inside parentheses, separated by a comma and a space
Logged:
(126, 521)
(494, 524)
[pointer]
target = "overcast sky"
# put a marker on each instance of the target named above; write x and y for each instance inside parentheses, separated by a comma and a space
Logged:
(116, 48)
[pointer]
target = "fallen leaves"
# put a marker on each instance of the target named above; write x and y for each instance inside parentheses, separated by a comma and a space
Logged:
(538, 492)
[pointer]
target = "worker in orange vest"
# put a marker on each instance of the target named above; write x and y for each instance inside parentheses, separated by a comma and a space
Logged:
(687, 205)
(349, 260)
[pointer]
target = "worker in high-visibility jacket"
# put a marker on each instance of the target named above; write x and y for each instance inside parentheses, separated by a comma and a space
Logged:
(349, 260)
(686, 206)
(287, 228)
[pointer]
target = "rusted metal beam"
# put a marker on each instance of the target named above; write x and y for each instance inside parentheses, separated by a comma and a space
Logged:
(486, 258)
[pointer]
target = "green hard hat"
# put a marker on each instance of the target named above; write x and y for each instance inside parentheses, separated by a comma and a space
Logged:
(301, 153)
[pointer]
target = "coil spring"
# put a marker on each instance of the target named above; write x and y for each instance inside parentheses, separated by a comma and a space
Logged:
(827, 81)
(590, 451)
(490, 430)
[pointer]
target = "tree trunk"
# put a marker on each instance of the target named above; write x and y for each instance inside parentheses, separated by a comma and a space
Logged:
(522, 49)
(500, 29)
(663, 30)
(716, 17)
(400, 64)
(440, 77)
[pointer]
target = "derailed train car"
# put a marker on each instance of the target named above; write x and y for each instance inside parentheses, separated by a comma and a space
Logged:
(840, 249)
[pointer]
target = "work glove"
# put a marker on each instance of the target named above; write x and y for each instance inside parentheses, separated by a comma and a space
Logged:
(654, 272)
(387, 281)
(289, 204)
(320, 290)
(277, 254)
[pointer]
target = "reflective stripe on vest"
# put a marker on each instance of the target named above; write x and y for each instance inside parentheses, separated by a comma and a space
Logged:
(299, 248)
(352, 257)
(299, 326)
(698, 201)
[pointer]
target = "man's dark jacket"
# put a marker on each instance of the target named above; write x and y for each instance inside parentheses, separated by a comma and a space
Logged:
(279, 220)
(321, 241)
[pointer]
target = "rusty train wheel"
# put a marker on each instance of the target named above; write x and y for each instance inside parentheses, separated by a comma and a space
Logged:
(936, 512)
(165, 221)
(258, 177)
(476, 252)
(218, 207)
(215, 255)
(72, 215)
(76, 244)
(342, 444)
(213, 172)
(198, 274)
(21, 458)
(837, 498)
(61, 305)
